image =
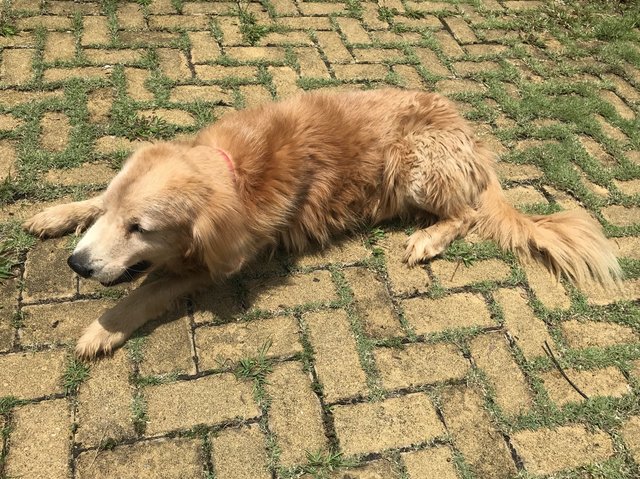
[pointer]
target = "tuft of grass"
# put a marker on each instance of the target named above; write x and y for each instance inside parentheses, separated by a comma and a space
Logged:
(257, 369)
(320, 463)
(251, 31)
(15, 242)
(7, 20)
(75, 374)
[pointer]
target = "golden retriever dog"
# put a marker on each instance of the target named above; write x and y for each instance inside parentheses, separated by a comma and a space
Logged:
(296, 173)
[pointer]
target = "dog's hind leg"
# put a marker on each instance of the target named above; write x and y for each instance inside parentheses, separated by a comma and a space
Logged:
(61, 219)
(444, 175)
(426, 243)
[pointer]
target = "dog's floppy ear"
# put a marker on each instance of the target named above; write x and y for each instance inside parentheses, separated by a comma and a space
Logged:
(221, 242)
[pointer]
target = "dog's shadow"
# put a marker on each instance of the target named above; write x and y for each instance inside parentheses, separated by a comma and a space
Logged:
(235, 299)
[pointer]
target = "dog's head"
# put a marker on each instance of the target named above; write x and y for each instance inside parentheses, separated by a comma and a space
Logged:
(172, 205)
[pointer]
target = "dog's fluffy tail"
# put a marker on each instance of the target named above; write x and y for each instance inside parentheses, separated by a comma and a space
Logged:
(569, 243)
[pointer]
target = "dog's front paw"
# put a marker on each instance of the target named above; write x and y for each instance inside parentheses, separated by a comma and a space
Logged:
(51, 223)
(97, 341)
(420, 248)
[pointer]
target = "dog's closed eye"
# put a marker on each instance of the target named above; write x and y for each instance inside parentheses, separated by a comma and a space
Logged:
(136, 228)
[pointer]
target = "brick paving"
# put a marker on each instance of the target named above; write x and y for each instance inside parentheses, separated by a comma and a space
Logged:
(341, 363)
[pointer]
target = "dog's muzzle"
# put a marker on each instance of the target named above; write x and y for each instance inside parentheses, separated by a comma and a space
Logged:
(129, 274)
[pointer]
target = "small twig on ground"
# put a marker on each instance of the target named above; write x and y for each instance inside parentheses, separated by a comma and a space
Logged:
(547, 350)
(455, 270)
(95, 456)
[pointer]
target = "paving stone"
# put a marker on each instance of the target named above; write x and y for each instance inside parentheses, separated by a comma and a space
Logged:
(95, 30)
(16, 66)
(130, 15)
(431, 62)
(55, 130)
(373, 303)
(205, 8)
(311, 63)
(99, 105)
(404, 280)
(377, 469)
(467, 68)
(48, 22)
(104, 402)
(173, 64)
(630, 431)
(183, 22)
(629, 188)
(63, 75)
(519, 5)
(492, 356)
(410, 78)
(621, 216)
(89, 173)
(8, 122)
(7, 159)
(240, 453)
(167, 458)
(305, 23)
(589, 334)
(528, 331)
(142, 39)
(522, 195)
(546, 287)
(596, 295)
(9, 291)
(474, 435)
(597, 151)
(59, 323)
(254, 95)
(172, 332)
(455, 274)
(203, 47)
(59, 46)
(218, 305)
(460, 29)
(546, 451)
(209, 400)
(395, 422)
(12, 98)
(276, 293)
(352, 30)
(419, 364)
(295, 414)
(122, 56)
(448, 45)
(175, 117)
(30, 375)
(264, 54)
(361, 72)
(464, 310)
(40, 442)
(452, 87)
(628, 246)
(611, 130)
(136, 89)
(192, 93)
(332, 46)
(284, 80)
(620, 106)
(336, 357)
(433, 462)
(607, 381)
(320, 8)
(46, 272)
(343, 252)
(219, 346)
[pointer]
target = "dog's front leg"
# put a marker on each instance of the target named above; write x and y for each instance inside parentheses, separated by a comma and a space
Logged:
(61, 219)
(145, 303)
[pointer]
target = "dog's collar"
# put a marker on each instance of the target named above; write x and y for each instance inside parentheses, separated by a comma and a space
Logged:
(228, 161)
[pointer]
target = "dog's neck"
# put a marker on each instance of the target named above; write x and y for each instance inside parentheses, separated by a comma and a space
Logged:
(227, 159)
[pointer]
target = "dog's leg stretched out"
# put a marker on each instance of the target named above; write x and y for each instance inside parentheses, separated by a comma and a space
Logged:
(145, 303)
(61, 219)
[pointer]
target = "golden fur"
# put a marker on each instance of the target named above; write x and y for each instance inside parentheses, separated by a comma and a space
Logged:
(303, 170)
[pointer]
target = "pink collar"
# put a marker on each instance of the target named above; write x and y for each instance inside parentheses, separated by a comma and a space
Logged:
(228, 161)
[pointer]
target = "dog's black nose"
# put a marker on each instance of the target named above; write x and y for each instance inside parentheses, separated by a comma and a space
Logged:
(78, 264)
